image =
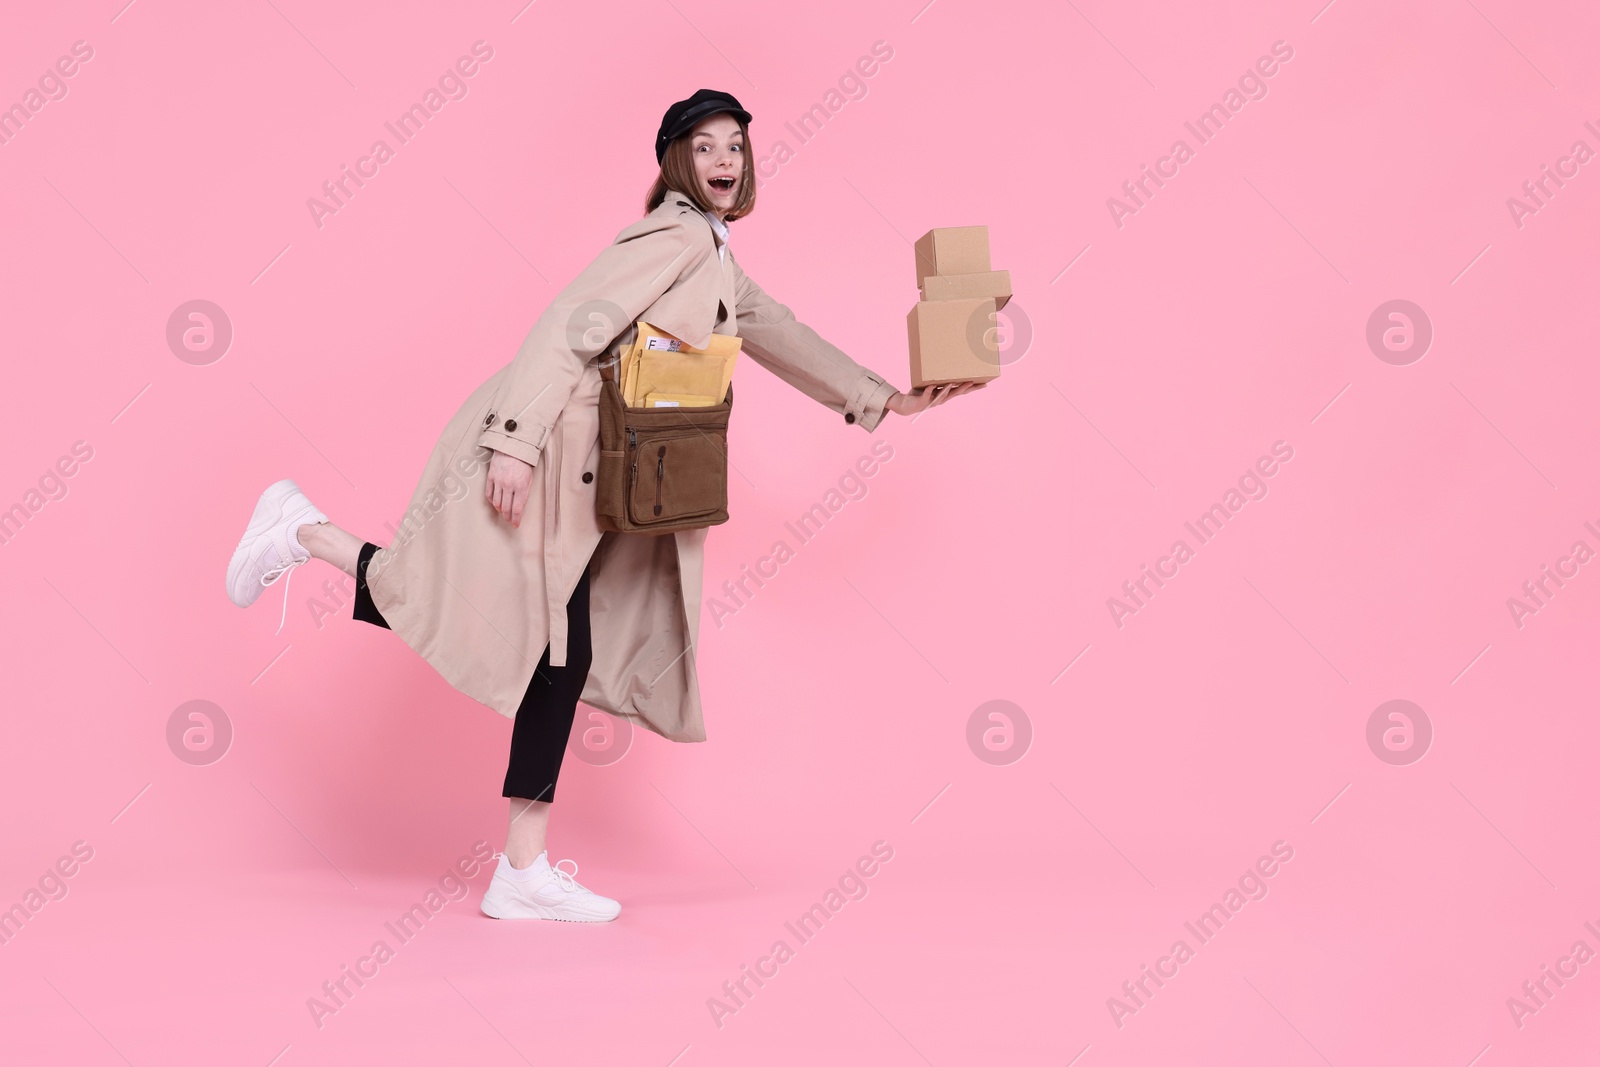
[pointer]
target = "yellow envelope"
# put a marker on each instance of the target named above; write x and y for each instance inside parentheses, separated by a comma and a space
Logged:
(678, 400)
(659, 363)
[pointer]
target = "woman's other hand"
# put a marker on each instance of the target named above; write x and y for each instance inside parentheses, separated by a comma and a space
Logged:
(929, 396)
(507, 486)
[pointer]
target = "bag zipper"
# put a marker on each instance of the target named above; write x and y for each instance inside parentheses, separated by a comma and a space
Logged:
(633, 460)
(661, 473)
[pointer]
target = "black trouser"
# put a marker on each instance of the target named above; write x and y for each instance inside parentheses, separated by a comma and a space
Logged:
(544, 718)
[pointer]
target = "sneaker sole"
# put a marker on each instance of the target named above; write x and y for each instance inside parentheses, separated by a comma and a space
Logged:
(539, 911)
(270, 510)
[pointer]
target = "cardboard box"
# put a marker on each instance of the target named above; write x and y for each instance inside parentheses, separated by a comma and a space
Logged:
(953, 341)
(995, 283)
(953, 250)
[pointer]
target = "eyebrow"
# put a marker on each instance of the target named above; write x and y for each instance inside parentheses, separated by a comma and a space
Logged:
(736, 133)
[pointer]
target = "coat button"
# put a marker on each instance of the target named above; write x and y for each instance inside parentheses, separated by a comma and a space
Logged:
(588, 476)
(511, 426)
(849, 416)
(488, 420)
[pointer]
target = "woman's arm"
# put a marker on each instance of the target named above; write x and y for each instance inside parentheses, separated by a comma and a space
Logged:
(601, 302)
(797, 354)
(930, 396)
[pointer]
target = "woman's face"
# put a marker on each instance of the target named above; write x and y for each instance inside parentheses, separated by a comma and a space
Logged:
(718, 149)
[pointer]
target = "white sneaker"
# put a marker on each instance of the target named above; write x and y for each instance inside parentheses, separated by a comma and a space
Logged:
(270, 549)
(550, 893)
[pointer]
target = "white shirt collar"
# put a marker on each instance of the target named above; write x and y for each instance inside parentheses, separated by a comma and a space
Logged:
(720, 228)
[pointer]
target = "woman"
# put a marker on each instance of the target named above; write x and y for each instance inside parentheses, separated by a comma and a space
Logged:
(500, 571)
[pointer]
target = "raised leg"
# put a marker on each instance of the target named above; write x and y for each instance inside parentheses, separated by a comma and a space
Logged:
(336, 545)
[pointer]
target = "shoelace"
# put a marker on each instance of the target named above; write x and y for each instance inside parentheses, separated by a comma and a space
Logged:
(278, 572)
(569, 882)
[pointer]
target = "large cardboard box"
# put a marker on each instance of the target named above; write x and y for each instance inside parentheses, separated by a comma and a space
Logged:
(953, 341)
(953, 250)
(995, 283)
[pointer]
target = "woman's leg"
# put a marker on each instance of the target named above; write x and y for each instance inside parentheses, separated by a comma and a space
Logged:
(525, 884)
(525, 836)
(334, 544)
(539, 734)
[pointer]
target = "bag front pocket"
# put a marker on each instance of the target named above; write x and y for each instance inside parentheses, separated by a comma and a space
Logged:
(676, 476)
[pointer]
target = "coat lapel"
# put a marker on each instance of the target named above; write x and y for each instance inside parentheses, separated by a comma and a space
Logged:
(688, 310)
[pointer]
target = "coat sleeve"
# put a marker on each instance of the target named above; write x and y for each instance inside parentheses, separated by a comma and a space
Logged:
(797, 354)
(583, 320)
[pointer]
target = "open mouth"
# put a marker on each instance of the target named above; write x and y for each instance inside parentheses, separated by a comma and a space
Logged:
(721, 185)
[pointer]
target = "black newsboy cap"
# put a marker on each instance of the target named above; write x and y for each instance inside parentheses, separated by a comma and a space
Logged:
(682, 116)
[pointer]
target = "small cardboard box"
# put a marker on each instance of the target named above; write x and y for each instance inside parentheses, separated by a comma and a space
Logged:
(953, 250)
(995, 283)
(953, 341)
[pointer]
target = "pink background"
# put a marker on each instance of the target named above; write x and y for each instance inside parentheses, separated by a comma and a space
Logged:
(1227, 314)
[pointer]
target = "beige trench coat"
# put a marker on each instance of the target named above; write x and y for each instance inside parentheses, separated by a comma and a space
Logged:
(480, 599)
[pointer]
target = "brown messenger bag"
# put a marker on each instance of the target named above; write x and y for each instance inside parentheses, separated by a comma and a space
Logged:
(662, 469)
